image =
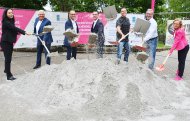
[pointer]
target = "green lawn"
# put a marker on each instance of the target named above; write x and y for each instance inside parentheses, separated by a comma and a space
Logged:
(161, 45)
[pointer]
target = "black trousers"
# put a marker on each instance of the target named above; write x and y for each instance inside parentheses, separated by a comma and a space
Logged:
(7, 51)
(182, 54)
(71, 52)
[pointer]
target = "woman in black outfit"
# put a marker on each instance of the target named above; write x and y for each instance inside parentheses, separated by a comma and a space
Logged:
(9, 34)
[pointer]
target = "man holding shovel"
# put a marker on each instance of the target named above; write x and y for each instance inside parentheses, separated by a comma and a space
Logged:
(71, 24)
(151, 38)
(47, 39)
(123, 27)
(98, 28)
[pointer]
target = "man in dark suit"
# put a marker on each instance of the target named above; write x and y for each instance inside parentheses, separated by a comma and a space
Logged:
(39, 24)
(71, 24)
(98, 28)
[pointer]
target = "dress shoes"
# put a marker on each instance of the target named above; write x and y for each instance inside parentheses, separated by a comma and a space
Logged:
(11, 78)
(35, 67)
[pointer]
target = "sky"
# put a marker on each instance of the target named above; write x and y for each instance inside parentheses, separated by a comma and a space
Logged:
(48, 7)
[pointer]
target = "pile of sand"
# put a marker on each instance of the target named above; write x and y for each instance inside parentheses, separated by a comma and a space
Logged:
(92, 90)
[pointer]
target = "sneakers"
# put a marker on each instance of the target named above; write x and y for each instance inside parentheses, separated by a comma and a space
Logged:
(118, 61)
(178, 78)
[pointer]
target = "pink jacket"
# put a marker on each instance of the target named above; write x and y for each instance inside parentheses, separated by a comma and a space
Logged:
(180, 41)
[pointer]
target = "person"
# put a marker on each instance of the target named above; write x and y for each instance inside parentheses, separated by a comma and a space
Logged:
(151, 38)
(181, 45)
(8, 38)
(98, 28)
(123, 27)
(39, 24)
(71, 24)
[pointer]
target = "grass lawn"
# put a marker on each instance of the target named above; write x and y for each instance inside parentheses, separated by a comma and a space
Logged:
(162, 45)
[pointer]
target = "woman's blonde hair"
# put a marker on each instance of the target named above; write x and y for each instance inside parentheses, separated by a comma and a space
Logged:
(180, 21)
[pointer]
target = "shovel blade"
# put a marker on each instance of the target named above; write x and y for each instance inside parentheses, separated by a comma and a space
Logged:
(140, 48)
(53, 54)
(160, 68)
(74, 44)
(114, 42)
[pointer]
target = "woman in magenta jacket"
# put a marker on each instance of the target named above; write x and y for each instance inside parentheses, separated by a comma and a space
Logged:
(181, 45)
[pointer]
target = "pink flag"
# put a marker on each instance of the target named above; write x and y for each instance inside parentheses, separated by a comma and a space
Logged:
(153, 4)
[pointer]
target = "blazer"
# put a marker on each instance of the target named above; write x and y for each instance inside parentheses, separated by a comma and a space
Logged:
(69, 25)
(47, 37)
(10, 32)
(180, 41)
(99, 30)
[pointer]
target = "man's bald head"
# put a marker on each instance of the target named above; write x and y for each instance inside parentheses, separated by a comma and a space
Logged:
(123, 12)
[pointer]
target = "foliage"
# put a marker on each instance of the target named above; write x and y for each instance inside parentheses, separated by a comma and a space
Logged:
(26, 4)
(179, 5)
(133, 6)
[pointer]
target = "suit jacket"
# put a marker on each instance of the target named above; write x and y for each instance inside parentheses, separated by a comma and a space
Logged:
(10, 31)
(69, 25)
(47, 37)
(99, 30)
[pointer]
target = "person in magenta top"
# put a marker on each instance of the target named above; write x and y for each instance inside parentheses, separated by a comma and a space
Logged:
(181, 45)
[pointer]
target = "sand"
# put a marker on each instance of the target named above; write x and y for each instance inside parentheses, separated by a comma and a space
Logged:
(94, 90)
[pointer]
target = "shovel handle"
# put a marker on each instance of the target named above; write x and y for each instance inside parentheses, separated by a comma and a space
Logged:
(164, 62)
(44, 45)
(124, 36)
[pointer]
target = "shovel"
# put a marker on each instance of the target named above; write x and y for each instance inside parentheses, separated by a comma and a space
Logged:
(46, 30)
(117, 42)
(140, 47)
(161, 67)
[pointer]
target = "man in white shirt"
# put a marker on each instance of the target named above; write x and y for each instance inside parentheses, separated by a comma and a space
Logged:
(47, 39)
(151, 38)
(71, 24)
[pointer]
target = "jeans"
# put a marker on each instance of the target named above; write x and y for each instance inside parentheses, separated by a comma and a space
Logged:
(151, 51)
(123, 44)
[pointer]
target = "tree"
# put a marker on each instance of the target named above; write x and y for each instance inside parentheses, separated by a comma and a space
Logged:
(133, 6)
(26, 4)
(179, 5)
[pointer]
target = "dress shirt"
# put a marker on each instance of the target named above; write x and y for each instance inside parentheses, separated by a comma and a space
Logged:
(38, 26)
(152, 31)
(74, 25)
(94, 24)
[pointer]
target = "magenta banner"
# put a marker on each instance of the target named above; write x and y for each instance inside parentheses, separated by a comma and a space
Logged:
(85, 21)
(22, 18)
(25, 19)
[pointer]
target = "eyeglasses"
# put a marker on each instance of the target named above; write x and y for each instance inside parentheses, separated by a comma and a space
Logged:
(176, 23)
